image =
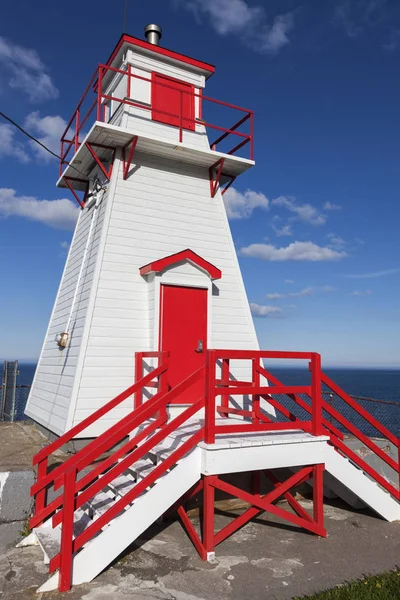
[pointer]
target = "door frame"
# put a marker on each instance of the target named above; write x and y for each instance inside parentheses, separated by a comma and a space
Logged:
(201, 281)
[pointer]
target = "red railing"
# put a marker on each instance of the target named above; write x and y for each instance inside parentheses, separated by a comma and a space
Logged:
(346, 424)
(93, 106)
(148, 425)
(260, 421)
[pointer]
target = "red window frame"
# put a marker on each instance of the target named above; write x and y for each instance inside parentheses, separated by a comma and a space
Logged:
(188, 102)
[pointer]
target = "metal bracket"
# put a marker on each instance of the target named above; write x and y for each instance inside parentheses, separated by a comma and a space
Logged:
(106, 172)
(215, 182)
(128, 161)
(85, 195)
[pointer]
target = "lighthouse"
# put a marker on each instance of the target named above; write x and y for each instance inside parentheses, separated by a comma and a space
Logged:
(152, 265)
(150, 362)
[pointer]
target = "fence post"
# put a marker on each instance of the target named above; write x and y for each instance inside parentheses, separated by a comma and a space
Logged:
(67, 530)
(77, 128)
(209, 434)
(255, 377)
(163, 383)
(316, 394)
(99, 93)
(41, 496)
(138, 396)
(225, 382)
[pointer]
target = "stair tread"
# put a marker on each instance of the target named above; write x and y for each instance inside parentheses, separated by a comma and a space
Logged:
(142, 468)
(49, 539)
(122, 485)
(101, 502)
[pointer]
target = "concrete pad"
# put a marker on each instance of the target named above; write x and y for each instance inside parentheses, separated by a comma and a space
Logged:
(266, 559)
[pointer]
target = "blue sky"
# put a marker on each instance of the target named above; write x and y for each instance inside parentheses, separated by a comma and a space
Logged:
(315, 223)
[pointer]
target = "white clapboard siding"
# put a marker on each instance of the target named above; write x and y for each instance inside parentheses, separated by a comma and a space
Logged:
(50, 397)
(162, 208)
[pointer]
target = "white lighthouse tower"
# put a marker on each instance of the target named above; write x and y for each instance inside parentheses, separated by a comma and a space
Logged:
(151, 350)
(152, 265)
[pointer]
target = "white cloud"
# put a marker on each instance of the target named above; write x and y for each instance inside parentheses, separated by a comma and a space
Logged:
(304, 212)
(241, 206)
(48, 130)
(363, 293)
(307, 291)
(27, 71)
(356, 18)
(9, 146)
(275, 296)
(374, 274)
(250, 23)
(289, 281)
(336, 242)
(332, 206)
(260, 310)
(60, 213)
(307, 251)
(285, 230)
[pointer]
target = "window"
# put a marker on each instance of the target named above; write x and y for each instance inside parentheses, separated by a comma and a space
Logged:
(167, 97)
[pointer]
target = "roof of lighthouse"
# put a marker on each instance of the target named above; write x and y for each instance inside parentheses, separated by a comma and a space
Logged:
(170, 55)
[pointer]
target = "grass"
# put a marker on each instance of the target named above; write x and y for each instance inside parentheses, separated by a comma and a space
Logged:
(378, 587)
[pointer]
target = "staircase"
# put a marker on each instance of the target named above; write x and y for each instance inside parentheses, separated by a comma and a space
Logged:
(146, 463)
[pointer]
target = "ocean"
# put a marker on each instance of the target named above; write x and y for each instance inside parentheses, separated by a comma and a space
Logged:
(381, 384)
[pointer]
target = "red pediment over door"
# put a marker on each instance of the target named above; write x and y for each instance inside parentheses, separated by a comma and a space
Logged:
(180, 257)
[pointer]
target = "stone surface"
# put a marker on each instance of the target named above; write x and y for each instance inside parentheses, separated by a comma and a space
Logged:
(15, 499)
(267, 559)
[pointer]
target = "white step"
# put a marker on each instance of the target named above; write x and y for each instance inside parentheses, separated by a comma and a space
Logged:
(164, 449)
(122, 485)
(100, 503)
(99, 552)
(367, 490)
(49, 540)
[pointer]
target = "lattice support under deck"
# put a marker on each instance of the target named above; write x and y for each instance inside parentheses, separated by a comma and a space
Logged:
(314, 523)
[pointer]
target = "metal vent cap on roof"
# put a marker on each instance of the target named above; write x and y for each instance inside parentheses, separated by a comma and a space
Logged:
(153, 33)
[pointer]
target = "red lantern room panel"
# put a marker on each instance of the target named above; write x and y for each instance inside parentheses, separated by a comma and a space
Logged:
(172, 100)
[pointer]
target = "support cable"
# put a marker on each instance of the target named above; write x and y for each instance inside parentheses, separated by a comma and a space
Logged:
(30, 136)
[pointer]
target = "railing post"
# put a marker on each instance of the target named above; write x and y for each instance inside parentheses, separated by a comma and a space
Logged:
(316, 394)
(225, 382)
(77, 127)
(209, 436)
(41, 496)
(163, 385)
(255, 378)
(252, 136)
(138, 396)
(67, 530)
(99, 93)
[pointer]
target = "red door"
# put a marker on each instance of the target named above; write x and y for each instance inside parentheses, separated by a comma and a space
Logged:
(168, 97)
(183, 333)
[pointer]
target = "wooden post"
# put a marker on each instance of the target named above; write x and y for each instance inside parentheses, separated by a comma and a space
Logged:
(208, 516)
(41, 497)
(67, 531)
(318, 496)
(255, 377)
(225, 382)
(316, 395)
(209, 435)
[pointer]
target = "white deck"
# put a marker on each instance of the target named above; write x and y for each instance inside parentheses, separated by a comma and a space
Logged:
(118, 137)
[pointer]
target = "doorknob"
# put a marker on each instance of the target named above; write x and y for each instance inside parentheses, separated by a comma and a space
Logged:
(199, 346)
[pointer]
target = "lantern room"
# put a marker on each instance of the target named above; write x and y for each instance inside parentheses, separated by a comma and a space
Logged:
(150, 99)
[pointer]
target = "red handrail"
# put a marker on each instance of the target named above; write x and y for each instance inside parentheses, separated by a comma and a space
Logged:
(355, 431)
(45, 479)
(71, 136)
